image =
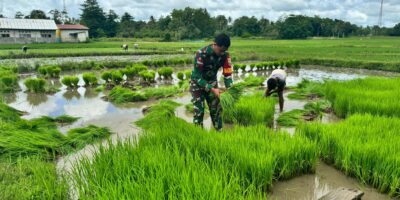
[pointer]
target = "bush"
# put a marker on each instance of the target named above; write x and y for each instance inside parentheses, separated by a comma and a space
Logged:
(166, 72)
(90, 79)
(35, 85)
(70, 81)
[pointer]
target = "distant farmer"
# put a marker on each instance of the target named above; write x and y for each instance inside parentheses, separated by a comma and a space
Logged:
(276, 83)
(204, 83)
(136, 46)
(125, 47)
(24, 49)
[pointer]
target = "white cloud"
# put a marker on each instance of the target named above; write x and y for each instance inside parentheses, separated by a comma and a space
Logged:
(361, 12)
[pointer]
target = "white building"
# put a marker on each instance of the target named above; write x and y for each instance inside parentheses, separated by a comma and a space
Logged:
(27, 31)
(72, 33)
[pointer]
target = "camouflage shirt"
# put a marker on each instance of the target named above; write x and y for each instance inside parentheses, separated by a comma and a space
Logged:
(206, 66)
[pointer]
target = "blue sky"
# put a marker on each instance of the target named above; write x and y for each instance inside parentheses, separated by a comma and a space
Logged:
(361, 12)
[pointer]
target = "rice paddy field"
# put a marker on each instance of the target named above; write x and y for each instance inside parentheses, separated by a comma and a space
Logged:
(88, 121)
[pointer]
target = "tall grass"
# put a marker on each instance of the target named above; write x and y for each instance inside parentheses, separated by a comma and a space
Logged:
(378, 96)
(364, 146)
(177, 160)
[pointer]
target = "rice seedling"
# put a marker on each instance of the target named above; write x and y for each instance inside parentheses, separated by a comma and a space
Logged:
(179, 160)
(123, 95)
(35, 85)
(8, 80)
(49, 71)
(291, 118)
(70, 81)
(79, 137)
(188, 74)
(148, 76)
(134, 70)
(116, 77)
(31, 178)
(62, 119)
(371, 95)
(90, 79)
(166, 72)
(307, 89)
(106, 76)
(363, 146)
(252, 81)
(236, 67)
(180, 76)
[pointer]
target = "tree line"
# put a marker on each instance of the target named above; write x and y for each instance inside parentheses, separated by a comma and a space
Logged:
(191, 23)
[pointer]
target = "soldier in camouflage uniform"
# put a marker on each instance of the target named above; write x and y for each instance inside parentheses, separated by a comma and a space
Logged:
(204, 83)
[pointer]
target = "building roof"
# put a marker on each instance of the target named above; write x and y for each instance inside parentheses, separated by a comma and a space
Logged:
(72, 27)
(27, 24)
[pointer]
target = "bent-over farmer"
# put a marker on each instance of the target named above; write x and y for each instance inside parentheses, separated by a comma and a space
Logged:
(276, 83)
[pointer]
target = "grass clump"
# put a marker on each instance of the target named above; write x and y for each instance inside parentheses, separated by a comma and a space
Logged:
(90, 79)
(148, 76)
(166, 72)
(70, 81)
(364, 146)
(35, 85)
(179, 160)
(49, 71)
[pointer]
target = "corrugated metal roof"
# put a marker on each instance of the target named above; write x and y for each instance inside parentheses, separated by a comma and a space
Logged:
(72, 27)
(27, 24)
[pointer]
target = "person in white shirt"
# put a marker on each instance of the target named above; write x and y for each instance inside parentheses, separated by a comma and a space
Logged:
(276, 83)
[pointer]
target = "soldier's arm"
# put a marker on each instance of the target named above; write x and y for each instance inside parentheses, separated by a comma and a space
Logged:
(197, 72)
(227, 72)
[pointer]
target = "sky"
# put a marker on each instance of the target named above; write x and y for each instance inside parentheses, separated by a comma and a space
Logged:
(360, 12)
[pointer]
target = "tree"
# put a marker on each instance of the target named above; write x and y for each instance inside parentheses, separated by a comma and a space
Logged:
(56, 16)
(111, 25)
(396, 30)
(191, 23)
(93, 17)
(19, 15)
(37, 14)
(295, 27)
(221, 23)
(127, 26)
(245, 25)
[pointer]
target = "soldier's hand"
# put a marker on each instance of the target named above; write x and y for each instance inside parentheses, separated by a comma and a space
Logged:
(216, 92)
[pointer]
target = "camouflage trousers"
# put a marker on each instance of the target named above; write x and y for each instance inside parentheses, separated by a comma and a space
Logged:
(199, 95)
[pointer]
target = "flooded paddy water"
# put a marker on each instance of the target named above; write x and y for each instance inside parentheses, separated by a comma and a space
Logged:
(88, 104)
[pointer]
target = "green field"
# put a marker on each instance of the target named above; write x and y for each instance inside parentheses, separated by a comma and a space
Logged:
(373, 53)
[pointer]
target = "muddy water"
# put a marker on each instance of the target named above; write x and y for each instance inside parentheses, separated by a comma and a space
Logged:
(314, 186)
(88, 105)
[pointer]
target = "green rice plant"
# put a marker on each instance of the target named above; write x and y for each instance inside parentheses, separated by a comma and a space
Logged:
(62, 119)
(35, 85)
(180, 76)
(243, 67)
(148, 76)
(282, 64)
(188, 74)
(364, 146)
(296, 63)
(8, 80)
(70, 81)
(289, 63)
(90, 79)
(134, 70)
(49, 71)
(276, 64)
(79, 137)
(106, 76)
(377, 96)
(252, 81)
(291, 118)
(179, 160)
(307, 89)
(31, 178)
(116, 77)
(236, 67)
(166, 72)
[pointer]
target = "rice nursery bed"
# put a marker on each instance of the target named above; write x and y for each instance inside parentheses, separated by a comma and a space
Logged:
(364, 146)
(177, 160)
